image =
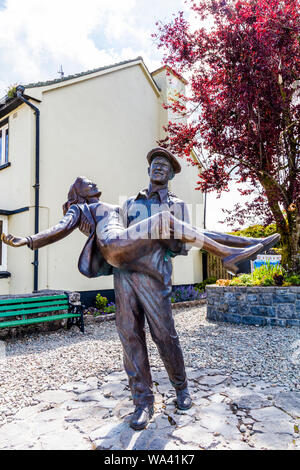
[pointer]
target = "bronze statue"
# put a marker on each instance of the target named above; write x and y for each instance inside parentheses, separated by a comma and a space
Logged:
(136, 245)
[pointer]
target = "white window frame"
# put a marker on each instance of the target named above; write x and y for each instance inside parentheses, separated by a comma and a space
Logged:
(3, 266)
(4, 128)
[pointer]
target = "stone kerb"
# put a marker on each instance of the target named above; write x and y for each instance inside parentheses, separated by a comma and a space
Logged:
(275, 306)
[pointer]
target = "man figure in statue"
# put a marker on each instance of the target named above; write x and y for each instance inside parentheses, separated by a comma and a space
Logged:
(147, 294)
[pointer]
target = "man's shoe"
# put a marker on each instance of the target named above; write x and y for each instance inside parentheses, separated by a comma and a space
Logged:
(184, 401)
(141, 417)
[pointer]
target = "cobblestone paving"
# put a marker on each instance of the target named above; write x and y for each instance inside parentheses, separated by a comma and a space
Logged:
(229, 412)
(65, 390)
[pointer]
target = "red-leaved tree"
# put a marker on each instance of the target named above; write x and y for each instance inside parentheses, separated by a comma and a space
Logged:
(244, 104)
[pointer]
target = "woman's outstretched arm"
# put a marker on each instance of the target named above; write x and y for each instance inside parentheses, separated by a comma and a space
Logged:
(53, 234)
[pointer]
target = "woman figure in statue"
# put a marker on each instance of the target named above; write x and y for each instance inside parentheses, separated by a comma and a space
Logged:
(111, 244)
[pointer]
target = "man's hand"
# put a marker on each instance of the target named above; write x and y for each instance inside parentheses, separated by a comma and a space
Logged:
(13, 241)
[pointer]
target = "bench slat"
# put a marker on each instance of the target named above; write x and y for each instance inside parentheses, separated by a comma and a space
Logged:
(36, 310)
(37, 320)
(32, 299)
(6, 308)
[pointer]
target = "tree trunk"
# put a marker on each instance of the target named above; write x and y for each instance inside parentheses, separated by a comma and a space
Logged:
(290, 241)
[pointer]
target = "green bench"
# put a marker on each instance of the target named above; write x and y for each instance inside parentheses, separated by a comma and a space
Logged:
(21, 311)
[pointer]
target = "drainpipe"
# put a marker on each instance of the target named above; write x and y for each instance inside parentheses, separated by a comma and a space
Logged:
(36, 186)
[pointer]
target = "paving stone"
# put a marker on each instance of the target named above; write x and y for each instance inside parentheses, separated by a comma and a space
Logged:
(164, 386)
(213, 380)
(14, 434)
(248, 421)
(29, 411)
(194, 434)
(182, 420)
(92, 382)
(251, 401)
(161, 443)
(272, 441)
(54, 414)
(196, 374)
(270, 414)
(289, 402)
(128, 437)
(217, 417)
(216, 398)
(75, 405)
(67, 440)
(202, 401)
(97, 395)
(97, 412)
(87, 426)
(162, 375)
(116, 376)
(77, 387)
(40, 427)
(115, 390)
(274, 427)
(110, 430)
(106, 444)
(193, 411)
(144, 439)
(55, 396)
(162, 421)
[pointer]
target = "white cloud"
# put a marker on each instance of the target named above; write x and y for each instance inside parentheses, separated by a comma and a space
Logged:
(37, 36)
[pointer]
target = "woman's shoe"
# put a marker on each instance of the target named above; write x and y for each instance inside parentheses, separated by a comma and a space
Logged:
(230, 263)
(269, 242)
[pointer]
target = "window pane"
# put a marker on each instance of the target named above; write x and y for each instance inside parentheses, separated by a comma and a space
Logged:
(1, 228)
(6, 146)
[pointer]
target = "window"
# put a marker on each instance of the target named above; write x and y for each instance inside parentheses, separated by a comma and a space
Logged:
(3, 143)
(3, 247)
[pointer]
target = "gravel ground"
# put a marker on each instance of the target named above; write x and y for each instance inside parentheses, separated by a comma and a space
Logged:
(46, 361)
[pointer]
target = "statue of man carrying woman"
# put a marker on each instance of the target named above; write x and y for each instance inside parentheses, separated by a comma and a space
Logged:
(135, 244)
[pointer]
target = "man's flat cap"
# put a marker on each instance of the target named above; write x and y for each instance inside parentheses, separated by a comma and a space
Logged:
(162, 152)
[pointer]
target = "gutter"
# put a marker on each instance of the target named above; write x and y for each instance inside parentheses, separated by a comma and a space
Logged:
(13, 212)
(36, 186)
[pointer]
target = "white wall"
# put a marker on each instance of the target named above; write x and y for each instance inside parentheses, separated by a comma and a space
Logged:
(102, 128)
(16, 192)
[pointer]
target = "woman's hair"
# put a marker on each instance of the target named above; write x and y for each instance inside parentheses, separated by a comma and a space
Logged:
(74, 196)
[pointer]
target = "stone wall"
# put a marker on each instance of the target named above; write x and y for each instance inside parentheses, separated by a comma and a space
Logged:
(276, 306)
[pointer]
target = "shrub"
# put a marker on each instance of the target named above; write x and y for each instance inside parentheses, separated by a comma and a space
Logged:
(266, 275)
(11, 91)
(110, 308)
(201, 286)
(185, 294)
(103, 306)
(256, 231)
(101, 302)
(293, 280)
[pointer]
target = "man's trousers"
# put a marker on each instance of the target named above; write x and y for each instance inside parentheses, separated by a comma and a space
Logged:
(138, 296)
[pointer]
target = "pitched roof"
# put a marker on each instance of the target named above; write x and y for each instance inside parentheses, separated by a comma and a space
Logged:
(7, 105)
(88, 72)
(170, 70)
